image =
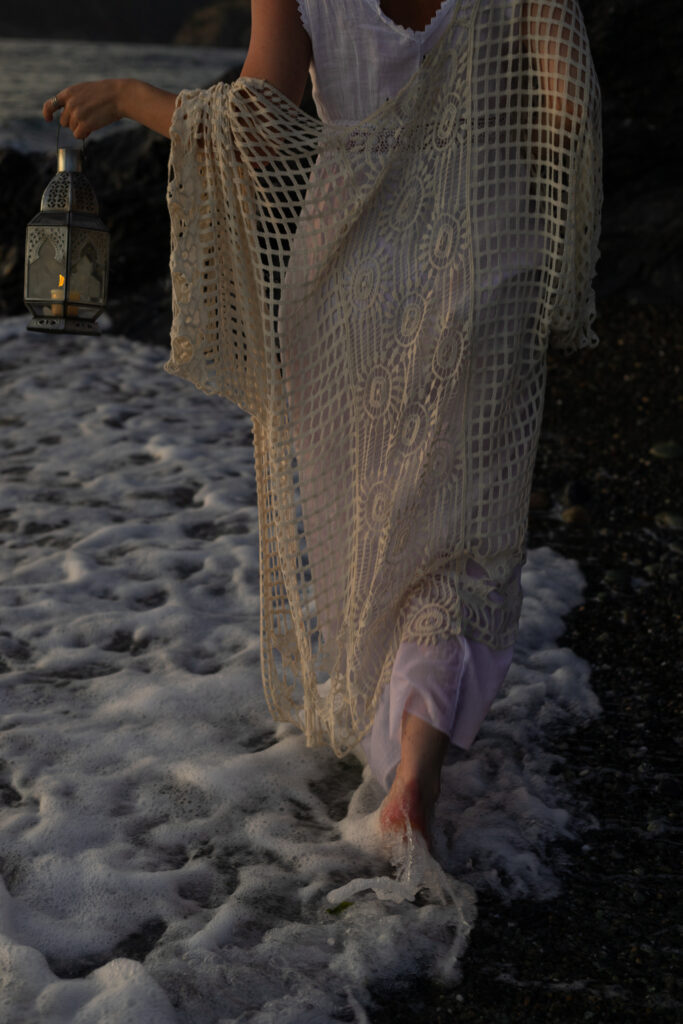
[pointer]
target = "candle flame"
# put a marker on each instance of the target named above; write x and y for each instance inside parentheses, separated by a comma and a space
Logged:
(62, 280)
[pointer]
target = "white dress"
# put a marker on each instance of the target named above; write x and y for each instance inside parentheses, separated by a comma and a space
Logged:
(360, 59)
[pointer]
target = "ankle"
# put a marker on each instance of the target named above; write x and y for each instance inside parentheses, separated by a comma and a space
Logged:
(423, 779)
(403, 807)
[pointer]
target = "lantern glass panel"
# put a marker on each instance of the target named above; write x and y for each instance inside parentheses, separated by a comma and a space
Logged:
(46, 268)
(88, 271)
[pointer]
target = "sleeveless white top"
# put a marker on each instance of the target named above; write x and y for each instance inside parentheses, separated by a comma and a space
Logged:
(361, 58)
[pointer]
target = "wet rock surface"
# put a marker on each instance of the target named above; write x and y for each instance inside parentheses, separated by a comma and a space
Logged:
(636, 48)
(91, 20)
(223, 24)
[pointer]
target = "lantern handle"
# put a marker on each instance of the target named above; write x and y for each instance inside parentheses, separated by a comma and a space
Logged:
(59, 128)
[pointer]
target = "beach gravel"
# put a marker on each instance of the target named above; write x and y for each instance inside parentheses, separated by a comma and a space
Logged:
(608, 948)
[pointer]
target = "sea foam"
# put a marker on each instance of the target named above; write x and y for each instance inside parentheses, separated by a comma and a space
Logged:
(167, 852)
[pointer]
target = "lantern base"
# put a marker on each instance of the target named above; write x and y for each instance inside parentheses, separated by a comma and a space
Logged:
(63, 325)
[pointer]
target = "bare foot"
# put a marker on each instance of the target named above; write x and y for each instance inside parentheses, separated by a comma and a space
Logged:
(409, 804)
(403, 806)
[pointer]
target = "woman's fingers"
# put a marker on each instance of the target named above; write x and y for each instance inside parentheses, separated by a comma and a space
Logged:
(50, 107)
(85, 107)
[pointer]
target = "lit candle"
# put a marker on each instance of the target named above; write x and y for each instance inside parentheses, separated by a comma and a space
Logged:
(58, 306)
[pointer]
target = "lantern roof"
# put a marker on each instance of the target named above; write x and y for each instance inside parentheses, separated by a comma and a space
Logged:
(69, 189)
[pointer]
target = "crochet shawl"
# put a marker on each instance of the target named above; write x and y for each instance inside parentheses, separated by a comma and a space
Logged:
(379, 297)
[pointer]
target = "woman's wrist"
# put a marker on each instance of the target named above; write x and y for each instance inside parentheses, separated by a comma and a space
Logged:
(145, 104)
(121, 96)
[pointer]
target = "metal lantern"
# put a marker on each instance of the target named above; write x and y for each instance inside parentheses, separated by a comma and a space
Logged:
(67, 253)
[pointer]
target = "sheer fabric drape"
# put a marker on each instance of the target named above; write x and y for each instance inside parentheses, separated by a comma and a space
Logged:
(379, 297)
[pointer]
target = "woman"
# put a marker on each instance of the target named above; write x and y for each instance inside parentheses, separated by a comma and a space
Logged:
(378, 291)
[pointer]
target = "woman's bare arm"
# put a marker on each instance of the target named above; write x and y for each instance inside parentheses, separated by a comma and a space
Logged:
(552, 35)
(279, 52)
(147, 105)
(88, 106)
(279, 48)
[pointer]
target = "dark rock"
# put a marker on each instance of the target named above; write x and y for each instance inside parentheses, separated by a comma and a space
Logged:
(227, 23)
(11, 261)
(641, 78)
(539, 501)
(129, 20)
(576, 492)
(22, 180)
(618, 578)
(669, 520)
(576, 515)
(667, 450)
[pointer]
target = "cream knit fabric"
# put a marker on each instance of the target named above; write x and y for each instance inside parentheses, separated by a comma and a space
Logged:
(379, 297)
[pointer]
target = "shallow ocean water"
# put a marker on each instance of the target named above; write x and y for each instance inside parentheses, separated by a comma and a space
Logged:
(31, 70)
(168, 853)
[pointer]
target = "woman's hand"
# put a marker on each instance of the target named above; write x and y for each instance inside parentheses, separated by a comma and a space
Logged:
(87, 106)
(91, 105)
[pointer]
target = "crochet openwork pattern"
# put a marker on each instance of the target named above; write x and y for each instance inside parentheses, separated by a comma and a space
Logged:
(379, 297)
